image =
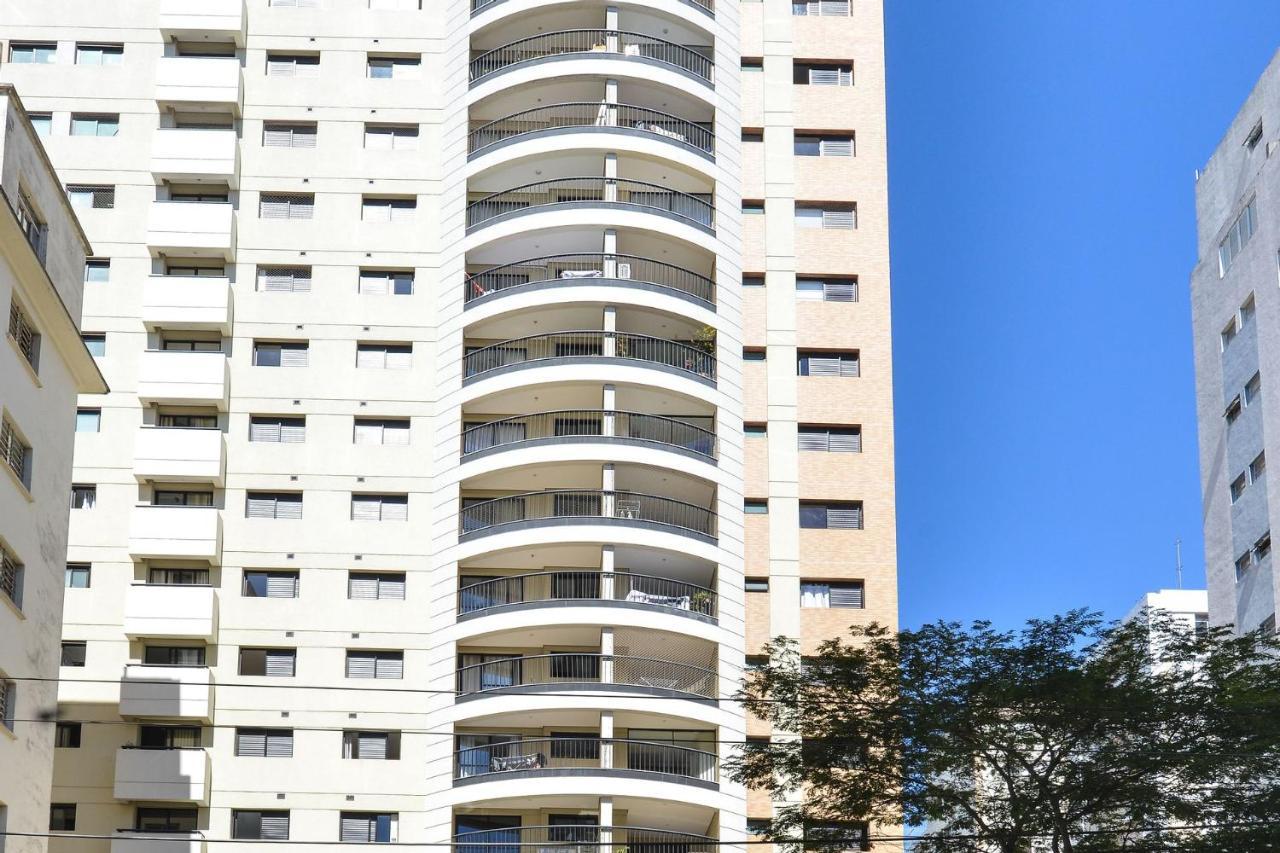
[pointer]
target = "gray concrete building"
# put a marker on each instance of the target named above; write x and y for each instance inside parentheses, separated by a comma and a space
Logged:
(1235, 306)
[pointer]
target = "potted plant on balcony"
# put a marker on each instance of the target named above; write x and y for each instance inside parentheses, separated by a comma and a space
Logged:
(701, 601)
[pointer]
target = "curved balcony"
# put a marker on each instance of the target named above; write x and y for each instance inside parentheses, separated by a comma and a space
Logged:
(582, 839)
(566, 425)
(597, 117)
(589, 268)
(555, 672)
(613, 43)
(609, 588)
(588, 345)
(596, 191)
(585, 756)
(560, 506)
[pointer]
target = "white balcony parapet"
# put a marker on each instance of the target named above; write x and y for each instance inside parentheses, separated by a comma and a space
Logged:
(187, 302)
(164, 610)
(168, 775)
(199, 80)
(176, 532)
(179, 455)
(128, 841)
(184, 378)
(184, 692)
(200, 228)
(195, 153)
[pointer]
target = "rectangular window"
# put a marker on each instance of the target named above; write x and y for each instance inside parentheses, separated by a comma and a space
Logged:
(264, 743)
(1233, 410)
(376, 746)
(1255, 136)
(753, 354)
(88, 420)
(384, 356)
(752, 280)
(284, 279)
(169, 420)
(755, 507)
(277, 134)
(827, 289)
(1262, 548)
(15, 452)
(841, 216)
(286, 205)
(33, 53)
(165, 736)
(1238, 486)
(755, 430)
(24, 334)
(752, 63)
(810, 363)
(391, 137)
(269, 354)
(95, 343)
(368, 586)
(385, 283)
(33, 227)
(830, 439)
(1257, 467)
(1228, 334)
(1237, 237)
(62, 817)
(380, 507)
(11, 576)
(1252, 389)
(756, 584)
(42, 123)
(277, 429)
(293, 65)
(8, 703)
(822, 145)
(85, 197)
(264, 584)
(84, 497)
(751, 206)
(263, 826)
(393, 67)
(830, 516)
(165, 819)
(825, 8)
(99, 54)
(73, 654)
(822, 73)
(385, 431)
(174, 655)
(178, 577)
(67, 736)
(368, 826)
(181, 497)
(269, 663)
(371, 664)
(273, 505)
(85, 124)
(847, 594)
(77, 575)
(374, 209)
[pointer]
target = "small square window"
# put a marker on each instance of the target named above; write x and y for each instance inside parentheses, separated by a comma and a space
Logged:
(95, 343)
(73, 654)
(97, 270)
(88, 420)
(67, 736)
(84, 497)
(62, 817)
(77, 575)
(42, 123)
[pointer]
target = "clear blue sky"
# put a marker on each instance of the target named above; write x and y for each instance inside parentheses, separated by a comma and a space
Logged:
(1041, 164)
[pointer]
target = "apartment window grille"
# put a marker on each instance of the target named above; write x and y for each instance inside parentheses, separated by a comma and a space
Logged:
(391, 137)
(293, 65)
(823, 74)
(15, 452)
(263, 826)
(755, 585)
(289, 135)
(364, 827)
(264, 584)
(95, 343)
(823, 439)
(181, 497)
(84, 497)
(99, 54)
(42, 123)
(830, 516)
(95, 125)
(271, 428)
(170, 737)
(67, 736)
(73, 654)
(174, 656)
(842, 217)
(755, 507)
(375, 746)
(62, 817)
(33, 53)
(371, 664)
(8, 703)
(279, 354)
(286, 505)
(388, 209)
(385, 283)
(165, 819)
(264, 743)
(370, 586)
(24, 334)
(77, 575)
(393, 67)
(827, 289)
(287, 205)
(178, 577)
(268, 663)
(11, 576)
(1237, 237)
(380, 507)
(384, 356)
(827, 364)
(85, 197)
(384, 431)
(822, 8)
(284, 279)
(845, 594)
(815, 145)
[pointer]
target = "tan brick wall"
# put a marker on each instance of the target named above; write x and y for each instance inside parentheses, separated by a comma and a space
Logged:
(757, 621)
(756, 391)
(757, 546)
(757, 467)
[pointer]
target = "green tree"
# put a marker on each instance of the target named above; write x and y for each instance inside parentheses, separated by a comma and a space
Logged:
(1070, 735)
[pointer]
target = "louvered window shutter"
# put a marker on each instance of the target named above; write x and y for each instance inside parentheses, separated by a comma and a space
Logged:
(849, 365)
(837, 219)
(845, 441)
(366, 508)
(368, 432)
(404, 138)
(264, 429)
(391, 587)
(357, 828)
(395, 508)
(260, 506)
(844, 517)
(822, 365)
(378, 139)
(362, 587)
(289, 506)
(389, 665)
(304, 137)
(275, 826)
(374, 284)
(282, 585)
(280, 663)
(279, 744)
(361, 665)
(293, 355)
(840, 291)
(813, 440)
(371, 355)
(279, 66)
(399, 357)
(373, 745)
(293, 430)
(395, 433)
(273, 206)
(846, 595)
(824, 77)
(403, 210)
(835, 147)
(277, 136)
(251, 742)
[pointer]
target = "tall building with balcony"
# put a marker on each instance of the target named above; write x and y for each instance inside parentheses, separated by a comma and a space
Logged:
(490, 380)
(1234, 308)
(43, 366)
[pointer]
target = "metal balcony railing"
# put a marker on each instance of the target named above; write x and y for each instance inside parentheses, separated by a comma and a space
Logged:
(671, 128)
(588, 504)
(587, 586)
(590, 343)
(583, 753)
(586, 668)
(592, 190)
(589, 267)
(590, 423)
(608, 42)
(581, 839)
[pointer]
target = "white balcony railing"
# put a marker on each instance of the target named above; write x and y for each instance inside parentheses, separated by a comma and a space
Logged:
(176, 532)
(195, 153)
(200, 228)
(168, 775)
(164, 610)
(183, 378)
(187, 302)
(183, 692)
(128, 841)
(192, 19)
(179, 455)
(199, 80)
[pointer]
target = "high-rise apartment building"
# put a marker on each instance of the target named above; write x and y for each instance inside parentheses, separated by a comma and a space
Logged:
(489, 381)
(1235, 308)
(43, 365)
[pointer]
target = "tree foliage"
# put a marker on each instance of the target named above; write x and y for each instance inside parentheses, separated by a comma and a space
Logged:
(1070, 734)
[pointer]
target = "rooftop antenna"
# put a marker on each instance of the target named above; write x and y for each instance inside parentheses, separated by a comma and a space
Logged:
(1177, 547)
